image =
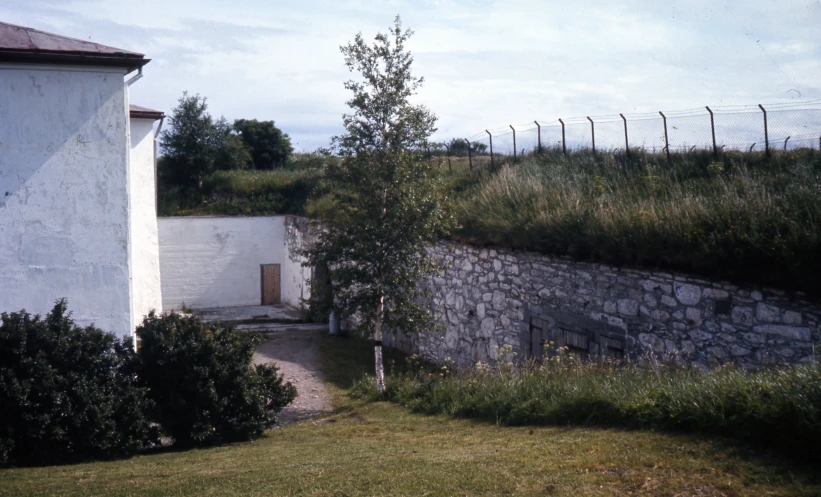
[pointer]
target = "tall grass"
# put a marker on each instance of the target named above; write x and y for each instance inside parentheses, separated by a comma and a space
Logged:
(778, 408)
(742, 216)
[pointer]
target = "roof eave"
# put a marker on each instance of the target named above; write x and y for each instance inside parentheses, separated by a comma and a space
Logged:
(128, 62)
(138, 114)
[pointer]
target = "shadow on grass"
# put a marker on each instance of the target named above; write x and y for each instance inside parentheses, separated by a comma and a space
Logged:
(347, 359)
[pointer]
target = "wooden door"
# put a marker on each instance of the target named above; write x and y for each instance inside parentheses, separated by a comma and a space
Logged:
(270, 284)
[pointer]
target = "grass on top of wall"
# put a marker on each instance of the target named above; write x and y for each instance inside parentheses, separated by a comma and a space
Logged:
(741, 216)
(777, 408)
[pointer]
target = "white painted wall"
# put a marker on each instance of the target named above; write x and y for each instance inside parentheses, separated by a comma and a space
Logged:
(64, 221)
(215, 261)
(145, 251)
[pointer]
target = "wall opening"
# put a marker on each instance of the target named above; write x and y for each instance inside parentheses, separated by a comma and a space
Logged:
(580, 336)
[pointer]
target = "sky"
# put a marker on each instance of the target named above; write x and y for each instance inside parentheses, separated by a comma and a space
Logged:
(486, 64)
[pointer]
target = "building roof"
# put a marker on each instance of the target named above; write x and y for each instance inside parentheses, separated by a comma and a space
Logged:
(22, 44)
(144, 113)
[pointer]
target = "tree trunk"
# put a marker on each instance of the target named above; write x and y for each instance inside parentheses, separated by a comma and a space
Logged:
(377, 349)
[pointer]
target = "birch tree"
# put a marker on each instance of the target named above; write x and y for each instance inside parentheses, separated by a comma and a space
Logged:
(389, 204)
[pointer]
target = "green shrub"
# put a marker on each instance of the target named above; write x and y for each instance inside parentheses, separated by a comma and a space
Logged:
(202, 383)
(67, 392)
(778, 408)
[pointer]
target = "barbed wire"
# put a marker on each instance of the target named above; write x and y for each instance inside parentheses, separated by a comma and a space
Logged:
(777, 126)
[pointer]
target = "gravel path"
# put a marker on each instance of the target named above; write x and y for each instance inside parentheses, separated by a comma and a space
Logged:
(296, 354)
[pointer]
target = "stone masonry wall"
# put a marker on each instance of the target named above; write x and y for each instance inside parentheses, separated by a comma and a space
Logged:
(484, 299)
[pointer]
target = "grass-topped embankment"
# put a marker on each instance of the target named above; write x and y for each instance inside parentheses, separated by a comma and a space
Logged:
(382, 448)
(741, 216)
(773, 408)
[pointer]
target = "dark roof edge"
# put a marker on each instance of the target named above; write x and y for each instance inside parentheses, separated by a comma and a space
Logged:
(125, 61)
(143, 114)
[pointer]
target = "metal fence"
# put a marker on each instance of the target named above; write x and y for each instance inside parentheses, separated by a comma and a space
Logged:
(769, 127)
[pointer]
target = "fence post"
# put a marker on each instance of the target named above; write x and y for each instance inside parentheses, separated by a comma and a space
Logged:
(470, 158)
(626, 143)
(447, 152)
(564, 147)
(785, 142)
(666, 140)
(514, 143)
(592, 134)
(712, 129)
(539, 127)
(491, 147)
(766, 134)
(751, 147)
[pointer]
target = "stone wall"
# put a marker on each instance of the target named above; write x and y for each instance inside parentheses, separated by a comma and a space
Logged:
(485, 299)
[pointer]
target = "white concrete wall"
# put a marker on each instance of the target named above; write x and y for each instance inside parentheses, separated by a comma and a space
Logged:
(64, 222)
(145, 251)
(215, 261)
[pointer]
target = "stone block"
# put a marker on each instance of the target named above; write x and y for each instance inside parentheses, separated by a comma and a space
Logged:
(792, 317)
(712, 293)
(651, 342)
(756, 295)
(687, 347)
(668, 301)
(738, 350)
(767, 313)
(628, 307)
(498, 300)
(650, 300)
(610, 307)
(688, 294)
(480, 310)
(793, 332)
(693, 316)
(742, 315)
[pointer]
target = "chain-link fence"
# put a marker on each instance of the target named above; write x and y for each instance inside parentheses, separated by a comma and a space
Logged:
(771, 127)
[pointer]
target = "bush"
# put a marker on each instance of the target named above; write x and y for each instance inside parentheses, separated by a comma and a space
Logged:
(777, 408)
(67, 392)
(203, 386)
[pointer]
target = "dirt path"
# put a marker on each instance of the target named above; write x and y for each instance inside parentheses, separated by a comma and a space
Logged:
(296, 353)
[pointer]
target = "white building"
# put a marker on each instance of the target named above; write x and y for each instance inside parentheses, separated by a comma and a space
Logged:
(77, 203)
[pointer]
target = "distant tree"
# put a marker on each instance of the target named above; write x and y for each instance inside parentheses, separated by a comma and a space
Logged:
(389, 204)
(189, 146)
(459, 147)
(232, 152)
(269, 146)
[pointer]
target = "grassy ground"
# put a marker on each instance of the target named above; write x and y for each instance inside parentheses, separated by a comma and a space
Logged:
(383, 449)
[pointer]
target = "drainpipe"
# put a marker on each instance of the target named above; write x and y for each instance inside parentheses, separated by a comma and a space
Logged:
(135, 78)
(156, 180)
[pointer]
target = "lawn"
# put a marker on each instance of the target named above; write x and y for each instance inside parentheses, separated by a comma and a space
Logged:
(384, 449)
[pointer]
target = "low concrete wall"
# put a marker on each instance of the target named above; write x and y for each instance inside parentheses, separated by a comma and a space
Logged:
(215, 261)
(489, 298)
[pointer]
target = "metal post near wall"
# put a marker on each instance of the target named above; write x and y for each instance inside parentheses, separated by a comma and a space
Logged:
(626, 143)
(564, 145)
(539, 134)
(666, 140)
(514, 142)
(785, 142)
(470, 158)
(766, 133)
(592, 134)
(712, 130)
(490, 137)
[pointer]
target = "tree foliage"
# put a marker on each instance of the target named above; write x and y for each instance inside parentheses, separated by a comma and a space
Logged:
(390, 204)
(459, 147)
(190, 145)
(268, 145)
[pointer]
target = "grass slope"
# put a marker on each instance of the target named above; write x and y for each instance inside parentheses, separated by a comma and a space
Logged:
(741, 216)
(383, 449)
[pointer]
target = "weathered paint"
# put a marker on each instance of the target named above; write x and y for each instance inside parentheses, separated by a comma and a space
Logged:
(215, 261)
(145, 252)
(64, 219)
